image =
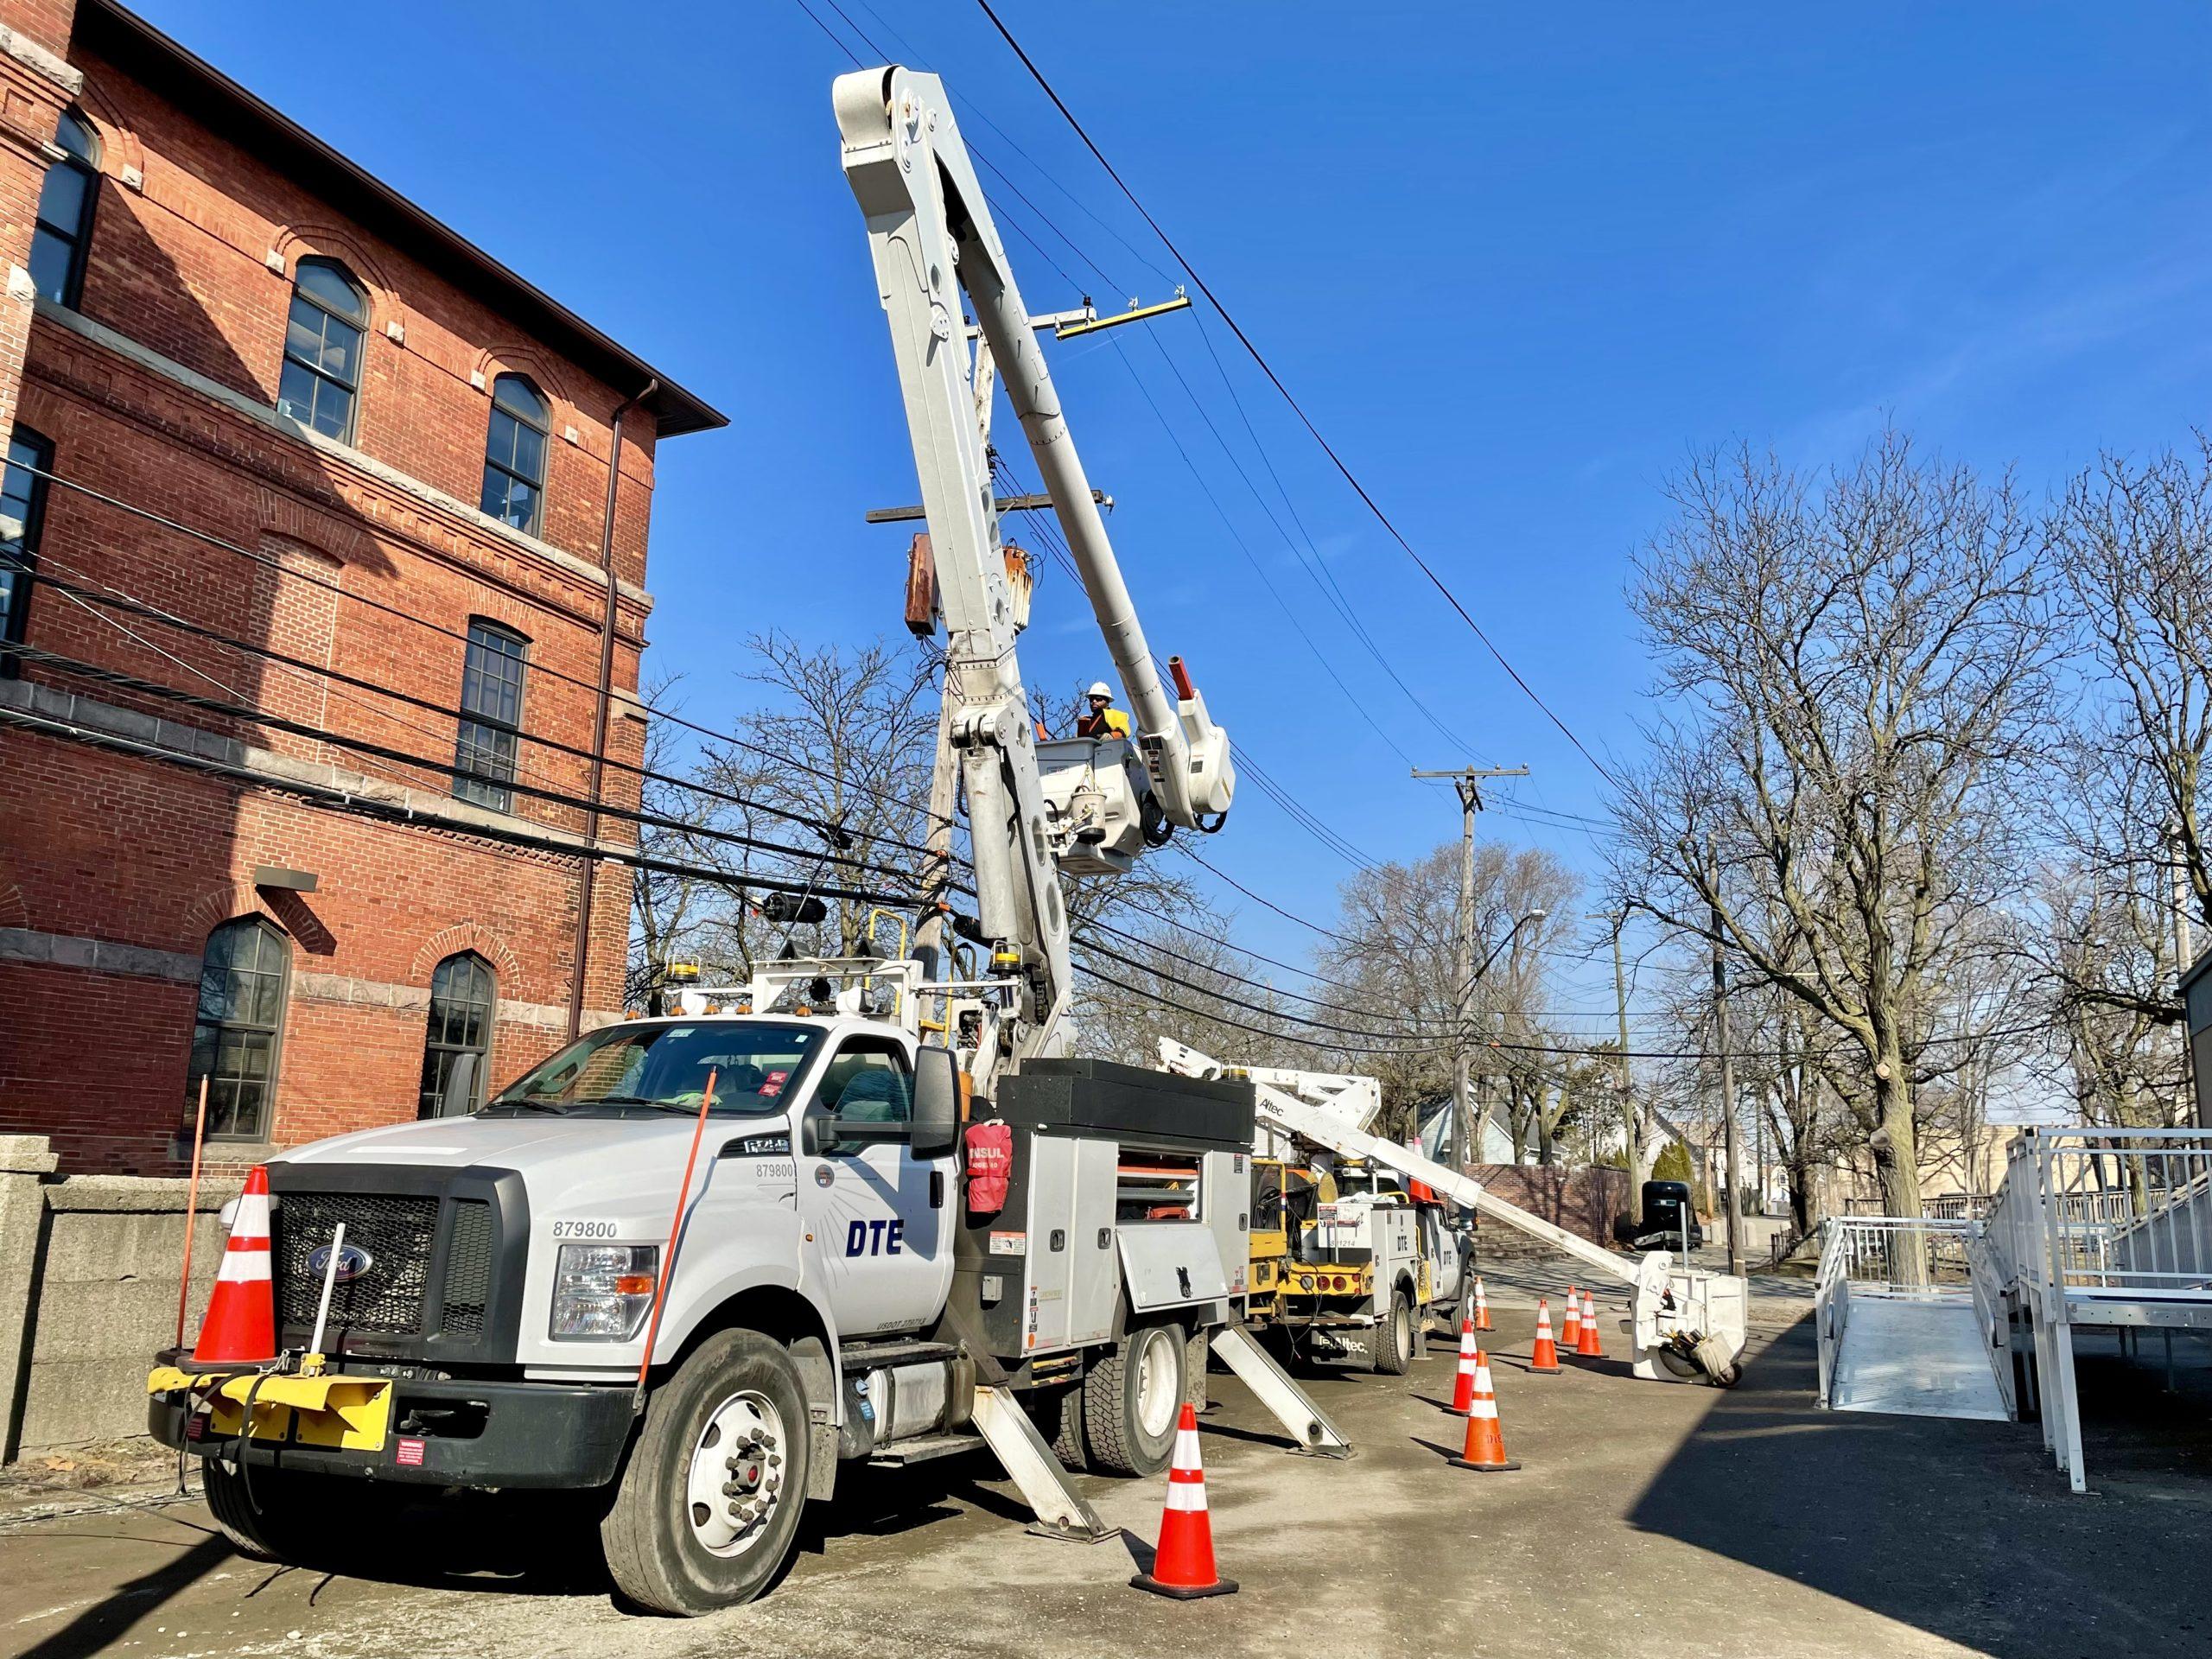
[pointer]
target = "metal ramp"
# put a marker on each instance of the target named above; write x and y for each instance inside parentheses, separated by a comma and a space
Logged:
(1916, 1356)
(1901, 1321)
(2093, 1233)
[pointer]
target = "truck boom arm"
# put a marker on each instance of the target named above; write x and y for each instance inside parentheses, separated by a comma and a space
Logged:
(932, 239)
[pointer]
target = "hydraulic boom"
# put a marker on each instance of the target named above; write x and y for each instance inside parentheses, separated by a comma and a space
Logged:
(1088, 807)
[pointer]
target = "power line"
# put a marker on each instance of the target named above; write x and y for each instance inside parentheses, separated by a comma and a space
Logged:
(107, 595)
(544, 670)
(1265, 368)
(254, 715)
(364, 806)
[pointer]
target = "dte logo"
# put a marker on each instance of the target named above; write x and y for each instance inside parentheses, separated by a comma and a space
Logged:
(874, 1237)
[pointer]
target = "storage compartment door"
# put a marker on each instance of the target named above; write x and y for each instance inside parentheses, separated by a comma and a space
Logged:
(1171, 1264)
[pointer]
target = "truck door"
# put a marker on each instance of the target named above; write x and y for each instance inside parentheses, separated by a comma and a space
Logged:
(880, 1227)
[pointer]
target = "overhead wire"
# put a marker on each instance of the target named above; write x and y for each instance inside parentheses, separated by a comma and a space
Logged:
(1244, 339)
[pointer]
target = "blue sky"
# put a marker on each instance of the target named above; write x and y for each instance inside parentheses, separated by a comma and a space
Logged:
(1516, 261)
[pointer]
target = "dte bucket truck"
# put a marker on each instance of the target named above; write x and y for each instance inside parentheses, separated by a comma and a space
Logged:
(891, 1248)
(1684, 1323)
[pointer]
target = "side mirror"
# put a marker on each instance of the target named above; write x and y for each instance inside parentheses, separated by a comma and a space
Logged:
(937, 1101)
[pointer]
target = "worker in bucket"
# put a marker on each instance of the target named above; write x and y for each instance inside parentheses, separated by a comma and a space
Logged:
(1103, 720)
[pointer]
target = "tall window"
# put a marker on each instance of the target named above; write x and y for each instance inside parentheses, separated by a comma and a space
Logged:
(64, 212)
(22, 505)
(463, 995)
(491, 716)
(514, 453)
(321, 378)
(243, 978)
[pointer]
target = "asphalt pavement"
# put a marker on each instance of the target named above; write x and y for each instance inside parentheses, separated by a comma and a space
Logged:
(1648, 1517)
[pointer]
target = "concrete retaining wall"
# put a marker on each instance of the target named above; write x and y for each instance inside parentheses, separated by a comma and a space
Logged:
(89, 1270)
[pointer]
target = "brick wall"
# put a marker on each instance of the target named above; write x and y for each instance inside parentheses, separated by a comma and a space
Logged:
(1583, 1201)
(368, 559)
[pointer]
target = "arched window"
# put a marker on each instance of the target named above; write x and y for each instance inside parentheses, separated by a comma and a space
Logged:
(23, 505)
(244, 976)
(514, 453)
(463, 994)
(321, 378)
(65, 211)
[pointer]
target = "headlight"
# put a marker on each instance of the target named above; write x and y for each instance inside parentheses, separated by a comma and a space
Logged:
(601, 1292)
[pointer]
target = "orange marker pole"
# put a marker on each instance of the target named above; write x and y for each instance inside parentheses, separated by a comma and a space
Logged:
(675, 1231)
(191, 1212)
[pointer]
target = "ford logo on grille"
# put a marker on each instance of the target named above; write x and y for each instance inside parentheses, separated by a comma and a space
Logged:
(353, 1262)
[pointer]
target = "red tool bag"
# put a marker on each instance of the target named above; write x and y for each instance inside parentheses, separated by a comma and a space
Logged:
(990, 1165)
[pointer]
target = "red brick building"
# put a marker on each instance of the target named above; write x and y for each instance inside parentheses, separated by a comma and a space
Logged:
(306, 610)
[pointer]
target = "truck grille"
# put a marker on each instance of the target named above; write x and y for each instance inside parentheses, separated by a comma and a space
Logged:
(467, 1288)
(397, 1233)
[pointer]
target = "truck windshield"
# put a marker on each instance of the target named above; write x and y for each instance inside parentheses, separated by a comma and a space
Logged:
(666, 1066)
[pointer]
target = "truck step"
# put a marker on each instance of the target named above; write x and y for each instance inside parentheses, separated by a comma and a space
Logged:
(865, 1356)
(901, 1454)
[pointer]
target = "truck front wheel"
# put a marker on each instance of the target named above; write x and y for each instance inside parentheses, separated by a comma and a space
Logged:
(706, 1508)
(1133, 1398)
(255, 1520)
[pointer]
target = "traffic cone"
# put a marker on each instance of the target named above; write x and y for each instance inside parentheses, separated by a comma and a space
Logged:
(1183, 1565)
(240, 1328)
(1570, 1334)
(1544, 1356)
(1463, 1386)
(1485, 1452)
(1482, 1309)
(1586, 1344)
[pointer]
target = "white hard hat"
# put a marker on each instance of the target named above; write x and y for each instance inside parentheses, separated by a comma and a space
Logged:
(1100, 689)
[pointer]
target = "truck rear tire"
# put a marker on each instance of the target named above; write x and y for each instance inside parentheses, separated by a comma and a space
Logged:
(1132, 1400)
(706, 1508)
(1391, 1342)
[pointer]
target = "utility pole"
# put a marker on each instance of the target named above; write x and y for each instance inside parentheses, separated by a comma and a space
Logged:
(936, 873)
(1468, 781)
(1729, 1140)
(1632, 1142)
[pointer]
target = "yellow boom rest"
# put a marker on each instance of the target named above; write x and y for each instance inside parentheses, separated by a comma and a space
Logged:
(347, 1414)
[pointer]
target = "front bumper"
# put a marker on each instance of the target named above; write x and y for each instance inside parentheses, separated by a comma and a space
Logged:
(465, 1433)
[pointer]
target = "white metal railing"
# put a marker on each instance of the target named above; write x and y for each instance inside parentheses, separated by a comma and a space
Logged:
(2086, 1218)
(1904, 1254)
(1831, 1301)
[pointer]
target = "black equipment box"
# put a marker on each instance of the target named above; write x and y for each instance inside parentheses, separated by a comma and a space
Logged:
(1101, 1097)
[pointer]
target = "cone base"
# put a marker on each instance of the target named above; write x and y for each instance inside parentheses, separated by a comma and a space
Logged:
(1484, 1468)
(1551, 1369)
(1183, 1591)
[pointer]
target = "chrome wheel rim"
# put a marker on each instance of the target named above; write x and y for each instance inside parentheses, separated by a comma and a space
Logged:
(735, 1484)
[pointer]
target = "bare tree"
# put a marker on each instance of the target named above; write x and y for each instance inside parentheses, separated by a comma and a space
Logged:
(1852, 678)
(1395, 955)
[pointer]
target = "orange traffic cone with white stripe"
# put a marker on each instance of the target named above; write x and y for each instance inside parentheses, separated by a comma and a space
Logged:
(1183, 1565)
(240, 1328)
(1485, 1452)
(1570, 1334)
(1482, 1309)
(1544, 1356)
(1463, 1386)
(1586, 1344)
